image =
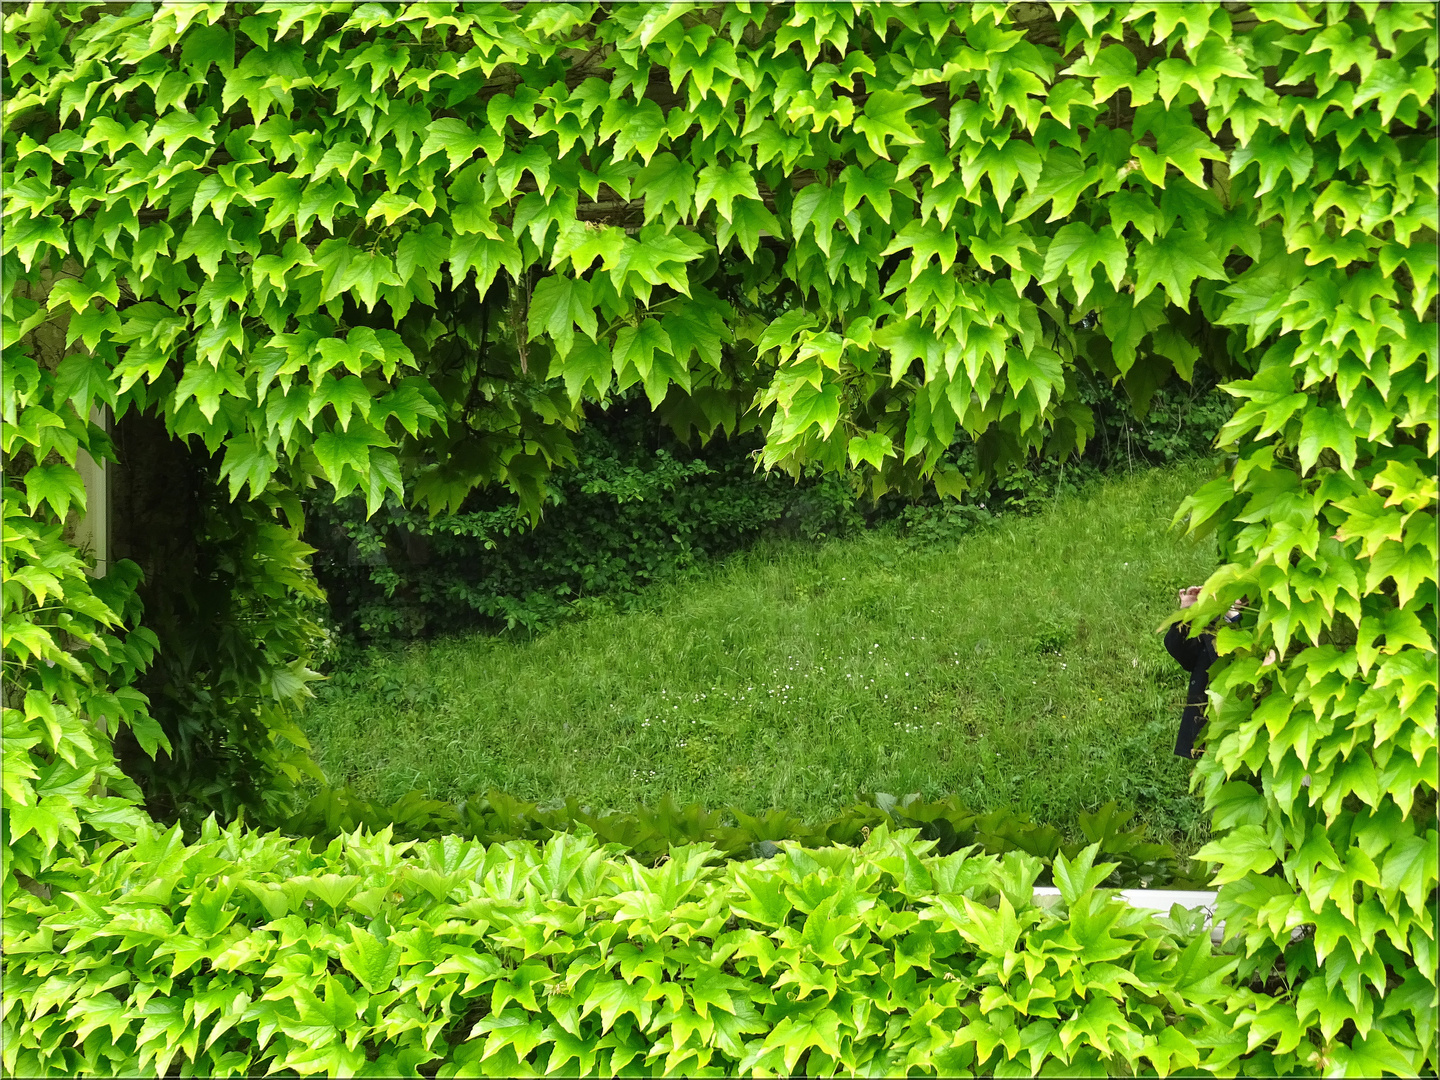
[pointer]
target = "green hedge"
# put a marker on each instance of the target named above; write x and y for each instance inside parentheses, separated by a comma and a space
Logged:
(249, 954)
(649, 833)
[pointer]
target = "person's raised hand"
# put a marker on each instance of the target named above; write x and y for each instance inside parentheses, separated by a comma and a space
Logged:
(1189, 596)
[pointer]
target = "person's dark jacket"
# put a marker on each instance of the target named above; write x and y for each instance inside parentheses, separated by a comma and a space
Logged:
(1195, 655)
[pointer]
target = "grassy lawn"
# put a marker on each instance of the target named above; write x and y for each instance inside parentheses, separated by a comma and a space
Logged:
(1017, 667)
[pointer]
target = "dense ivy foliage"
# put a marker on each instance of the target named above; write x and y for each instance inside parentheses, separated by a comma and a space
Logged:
(286, 231)
(376, 958)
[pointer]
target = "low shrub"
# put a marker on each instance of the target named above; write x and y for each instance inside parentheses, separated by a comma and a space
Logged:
(646, 833)
(638, 507)
(249, 954)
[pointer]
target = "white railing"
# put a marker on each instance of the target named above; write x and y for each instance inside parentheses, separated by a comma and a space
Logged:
(1160, 900)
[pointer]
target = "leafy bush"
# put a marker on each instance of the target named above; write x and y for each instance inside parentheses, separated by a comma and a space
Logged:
(496, 817)
(1178, 422)
(638, 507)
(247, 954)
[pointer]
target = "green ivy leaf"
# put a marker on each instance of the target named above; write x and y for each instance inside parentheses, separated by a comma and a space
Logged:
(557, 306)
(697, 328)
(1039, 367)
(583, 242)
(588, 364)
(667, 182)
(423, 249)
(818, 207)
(1076, 879)
(348, 395)
(1245, 850)
(207, 385)
(458, 142)
(344, 268)
(872, 186)
(1175, 260)
(25, 236)
(655, 260)
(408, 403)
(1077, 248)
(48, 819)
(1015, 159)
(486, 256)
(724, 186)
(1178, 142)
(636, 345)
(82, 379)
(177, 127)
(208, 241)
(247, 462)
(57, 486)
(375, 963)
(614, 997)
(883, 120)
(1061, 181)
(1326, 429)
(1272, 152)
(1113, 69)
(1390, 83)
(873, 448)
(1374, 1055)
(1202, 69)
(512, 166)
(1409, 870)
(926, 240)
(338, 450)
(523, 1032)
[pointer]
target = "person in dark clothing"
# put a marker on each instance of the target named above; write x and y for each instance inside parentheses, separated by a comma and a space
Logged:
(1195, 655)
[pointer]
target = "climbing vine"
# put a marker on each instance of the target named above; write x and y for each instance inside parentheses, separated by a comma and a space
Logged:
(397, 247)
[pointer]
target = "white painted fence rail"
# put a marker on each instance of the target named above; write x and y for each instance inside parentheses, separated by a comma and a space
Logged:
(1159, 900)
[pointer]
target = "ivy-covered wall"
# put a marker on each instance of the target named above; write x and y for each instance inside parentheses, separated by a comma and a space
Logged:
(286, 231)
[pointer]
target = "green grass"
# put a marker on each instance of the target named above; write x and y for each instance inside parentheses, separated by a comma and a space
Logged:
(1018, 667)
